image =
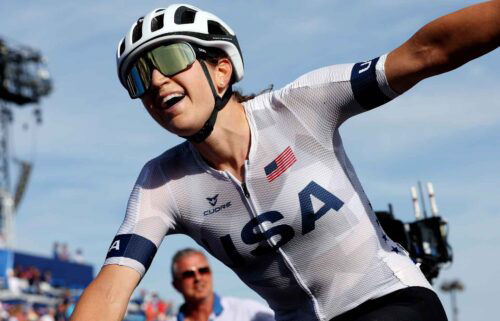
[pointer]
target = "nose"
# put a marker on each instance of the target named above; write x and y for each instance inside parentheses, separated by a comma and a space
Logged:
(158, 79)
(197, 276)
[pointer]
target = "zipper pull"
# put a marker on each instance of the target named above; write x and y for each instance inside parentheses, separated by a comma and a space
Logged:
(245, 190)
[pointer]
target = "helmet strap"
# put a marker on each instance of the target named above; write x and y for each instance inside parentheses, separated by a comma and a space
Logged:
(220, 102)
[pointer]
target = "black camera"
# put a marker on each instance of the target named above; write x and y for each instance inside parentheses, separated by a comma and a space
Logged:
(425, 239)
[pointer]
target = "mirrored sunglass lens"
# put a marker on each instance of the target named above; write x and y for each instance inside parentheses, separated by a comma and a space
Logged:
(204, 270)
(169, 60)
(139, 78)
(172, 59)
(187, 274)
(134, 83)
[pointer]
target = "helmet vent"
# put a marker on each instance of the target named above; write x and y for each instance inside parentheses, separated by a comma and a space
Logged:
(122, 47)
(184, 15)
(137, 33)
(159, 10)
(157, 23)
(215, 28)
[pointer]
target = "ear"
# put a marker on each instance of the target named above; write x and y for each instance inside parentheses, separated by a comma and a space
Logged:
(223, 73)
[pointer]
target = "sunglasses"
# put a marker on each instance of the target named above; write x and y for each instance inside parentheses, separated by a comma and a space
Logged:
(192, 273)
(169, 59)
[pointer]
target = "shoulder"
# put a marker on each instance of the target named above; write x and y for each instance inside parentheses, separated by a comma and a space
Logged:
(158, 171)
(316, 85)
(324, 75)
(174, 159)
(174, 154)
(363, 71)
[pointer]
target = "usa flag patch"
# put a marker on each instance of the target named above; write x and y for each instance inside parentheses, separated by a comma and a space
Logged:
(280, 164)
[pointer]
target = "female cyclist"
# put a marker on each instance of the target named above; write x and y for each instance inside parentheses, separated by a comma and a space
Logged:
(264, 185)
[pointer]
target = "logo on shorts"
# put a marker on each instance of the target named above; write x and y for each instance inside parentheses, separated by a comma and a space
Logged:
(213, 202)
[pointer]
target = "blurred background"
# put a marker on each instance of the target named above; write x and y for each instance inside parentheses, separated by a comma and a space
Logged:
(72, 150)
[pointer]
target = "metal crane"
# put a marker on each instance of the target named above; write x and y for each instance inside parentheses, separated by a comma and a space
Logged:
(24, 80)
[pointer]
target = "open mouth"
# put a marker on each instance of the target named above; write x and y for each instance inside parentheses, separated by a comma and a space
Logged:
(172, 99)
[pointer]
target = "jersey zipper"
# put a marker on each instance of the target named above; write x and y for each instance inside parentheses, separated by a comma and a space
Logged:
(245, 190)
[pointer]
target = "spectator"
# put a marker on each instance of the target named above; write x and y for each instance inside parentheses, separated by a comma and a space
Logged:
(192, 277)
(47, 276)
(64, 252)
(46, 282)
(56, 250)
(156, 309)
(14, 282)
(3, 244)
(49, 315)
(31, 315)
(34, 278)
(78, 256)
(4, 314)
(17, 314)
(141, 298)
(60, 314)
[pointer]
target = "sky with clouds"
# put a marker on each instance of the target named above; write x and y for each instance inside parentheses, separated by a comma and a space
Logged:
(94, 139)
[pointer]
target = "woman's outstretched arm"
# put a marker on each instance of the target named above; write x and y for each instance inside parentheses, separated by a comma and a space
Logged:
(445, 44)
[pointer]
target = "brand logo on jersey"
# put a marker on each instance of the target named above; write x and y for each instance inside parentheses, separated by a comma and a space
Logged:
(213, 200)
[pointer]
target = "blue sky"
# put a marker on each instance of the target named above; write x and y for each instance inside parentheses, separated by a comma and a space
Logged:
(94, 139)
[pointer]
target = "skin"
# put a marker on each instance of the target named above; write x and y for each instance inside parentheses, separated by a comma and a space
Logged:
(440, 46)
(445, 44)
(188, 115)
(107, 296)
(198, 290)
(228, 145)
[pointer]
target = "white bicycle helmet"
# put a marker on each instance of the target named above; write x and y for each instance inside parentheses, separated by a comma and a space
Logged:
(178, 22)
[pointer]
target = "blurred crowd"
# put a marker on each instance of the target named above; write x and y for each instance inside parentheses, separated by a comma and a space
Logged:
(149, 306)
(61, 252)
(23, 311)
(32, 296)
(30, 280)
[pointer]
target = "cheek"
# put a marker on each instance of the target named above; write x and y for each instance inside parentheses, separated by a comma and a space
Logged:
(149, 107)
(199, 91)
(147, 103)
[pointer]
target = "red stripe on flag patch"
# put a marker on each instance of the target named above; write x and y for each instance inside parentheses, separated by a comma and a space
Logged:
(281, 163)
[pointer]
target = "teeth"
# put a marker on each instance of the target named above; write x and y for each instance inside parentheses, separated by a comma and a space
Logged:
(172, 96)
(172, 99)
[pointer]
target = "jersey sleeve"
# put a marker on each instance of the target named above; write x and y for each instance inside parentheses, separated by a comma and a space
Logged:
(151, 214)
(324, 98)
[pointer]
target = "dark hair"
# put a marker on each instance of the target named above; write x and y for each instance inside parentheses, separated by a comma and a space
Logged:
(241, 98)
(213, 56)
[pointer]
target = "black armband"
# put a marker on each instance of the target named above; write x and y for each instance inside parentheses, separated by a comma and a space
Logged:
(365, 86)
(134, 247)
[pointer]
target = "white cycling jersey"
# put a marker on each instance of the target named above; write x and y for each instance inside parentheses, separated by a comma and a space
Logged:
(299, 230)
